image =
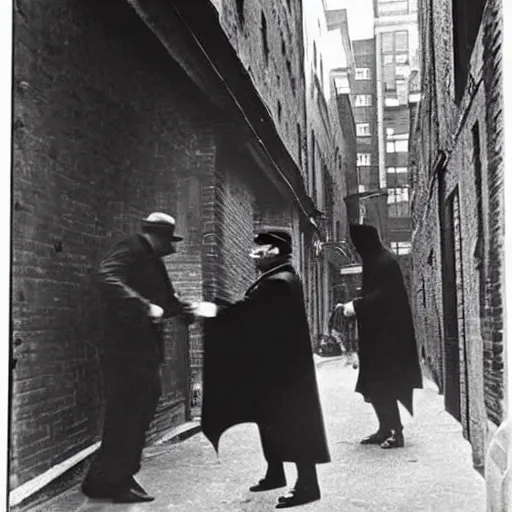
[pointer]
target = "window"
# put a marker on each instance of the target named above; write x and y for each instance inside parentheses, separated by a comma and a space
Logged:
(391, 102)
(363, 100)
(401, 248)
(388, 59)
(264, 37)
(398, 202)
(397, 176)
(401, 41)
(365, 176)
(466, 18)
(402, 92)
(362, 73)
(363, 129)
(402, 146)
(364, 159)
(402, 58)
(279, 111)
(387, 42)
(314, 55)
(398, 146)
(361, 189)
(398, 195)
(240, 9)
(390, 8)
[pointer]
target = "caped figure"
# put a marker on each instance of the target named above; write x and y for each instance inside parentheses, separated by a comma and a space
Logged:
(389, 368)
(259, 368)
(137, 295)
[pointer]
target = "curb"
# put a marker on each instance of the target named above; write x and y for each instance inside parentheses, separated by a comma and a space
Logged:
(56, 489)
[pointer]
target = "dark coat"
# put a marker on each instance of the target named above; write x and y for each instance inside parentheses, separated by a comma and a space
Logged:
(388, 354)
(131, 277)
(259, 368)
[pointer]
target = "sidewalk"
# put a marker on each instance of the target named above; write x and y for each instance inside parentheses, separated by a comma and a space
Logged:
(432, 473)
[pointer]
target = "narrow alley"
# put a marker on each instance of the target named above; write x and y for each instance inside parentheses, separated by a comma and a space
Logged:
(221, 140)
(432, 473)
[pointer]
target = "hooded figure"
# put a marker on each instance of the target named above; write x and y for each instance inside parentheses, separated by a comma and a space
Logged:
(388, 356)
(258, 367)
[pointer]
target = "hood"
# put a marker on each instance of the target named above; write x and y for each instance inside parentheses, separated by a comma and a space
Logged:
(366, 240)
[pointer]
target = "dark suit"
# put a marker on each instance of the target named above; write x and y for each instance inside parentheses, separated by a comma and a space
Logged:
(130, 278)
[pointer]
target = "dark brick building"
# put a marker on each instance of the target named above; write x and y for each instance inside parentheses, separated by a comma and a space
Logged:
(458, 211)
(122, 108)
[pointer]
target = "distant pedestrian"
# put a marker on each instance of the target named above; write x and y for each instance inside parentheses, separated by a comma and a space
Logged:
(259, 368)
(388, 356)
(137, 292)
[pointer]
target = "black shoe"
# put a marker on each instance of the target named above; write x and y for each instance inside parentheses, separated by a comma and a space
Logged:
(298, 496)
(266, 484)
(395, 440)
(132, 496)
(377, 438)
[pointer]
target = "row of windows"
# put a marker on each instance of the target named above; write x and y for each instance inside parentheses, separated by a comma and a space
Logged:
(365, 159)
(393, 8)
(363, 130)
(363, 100)
(401, 248)
(397, 146)
(401, 58)
(363, 74)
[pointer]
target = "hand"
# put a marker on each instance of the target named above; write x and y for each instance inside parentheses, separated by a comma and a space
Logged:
(205, 309)
(348, 309)
(155, 312)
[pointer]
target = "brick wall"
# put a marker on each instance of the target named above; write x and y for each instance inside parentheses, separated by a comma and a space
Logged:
(235, 203)
(492, 72)
(104, 126)
(477, 175)
(273, 61)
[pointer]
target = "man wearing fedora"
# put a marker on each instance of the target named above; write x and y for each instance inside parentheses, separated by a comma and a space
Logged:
(258, 367)
(137, 294)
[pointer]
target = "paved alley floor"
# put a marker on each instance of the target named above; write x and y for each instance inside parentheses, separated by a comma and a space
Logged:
(432, 473)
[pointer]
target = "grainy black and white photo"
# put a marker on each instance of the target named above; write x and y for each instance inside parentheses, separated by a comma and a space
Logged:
(258, 257)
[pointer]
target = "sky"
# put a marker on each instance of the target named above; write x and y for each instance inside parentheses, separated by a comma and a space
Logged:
(360, 16)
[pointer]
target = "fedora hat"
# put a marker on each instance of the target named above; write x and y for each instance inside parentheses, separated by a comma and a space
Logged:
(162, 224)
(277, 237)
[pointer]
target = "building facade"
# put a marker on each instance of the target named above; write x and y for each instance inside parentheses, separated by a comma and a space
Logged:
(396, 40)
(331, 151)
(458, 212)
(371, 196)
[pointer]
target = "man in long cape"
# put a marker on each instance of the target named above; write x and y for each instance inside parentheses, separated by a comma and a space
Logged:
(388, 356)
(259, 367)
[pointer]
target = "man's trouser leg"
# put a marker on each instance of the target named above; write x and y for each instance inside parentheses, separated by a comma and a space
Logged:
(132, 394)
(306, 476)
(275, 467)
(388, 414)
